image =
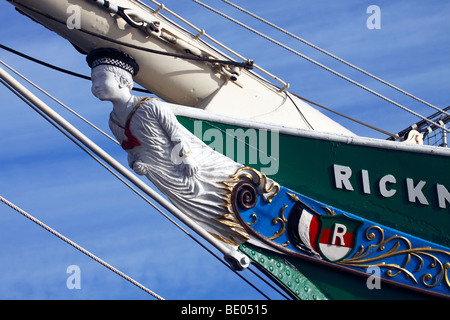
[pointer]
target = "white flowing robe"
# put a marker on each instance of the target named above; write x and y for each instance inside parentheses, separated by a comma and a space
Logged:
(200, 196)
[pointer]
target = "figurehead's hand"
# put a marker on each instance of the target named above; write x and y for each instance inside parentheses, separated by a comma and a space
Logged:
(190, 166)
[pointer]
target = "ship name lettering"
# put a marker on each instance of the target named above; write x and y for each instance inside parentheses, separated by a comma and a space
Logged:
(388, 186)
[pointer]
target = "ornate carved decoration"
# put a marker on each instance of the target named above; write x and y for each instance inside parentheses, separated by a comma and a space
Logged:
(374, 255)
(247, 183)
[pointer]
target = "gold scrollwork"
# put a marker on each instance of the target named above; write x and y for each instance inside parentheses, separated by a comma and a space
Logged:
(265, 186)
(329, 211)
(254, 218)
(260, 179)
(269, 189)
(282, 220)
(373, 255)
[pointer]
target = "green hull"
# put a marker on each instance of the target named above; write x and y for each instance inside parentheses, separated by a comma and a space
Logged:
(305, 280)
(401, 186)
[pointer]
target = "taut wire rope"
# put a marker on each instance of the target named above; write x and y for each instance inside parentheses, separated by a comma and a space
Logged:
(142, 90)
(321, 65)
(60, 103)
(335, 57)
(79, 248)
(128, 185)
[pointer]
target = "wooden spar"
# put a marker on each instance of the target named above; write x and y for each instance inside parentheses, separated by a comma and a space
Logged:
(237, 260)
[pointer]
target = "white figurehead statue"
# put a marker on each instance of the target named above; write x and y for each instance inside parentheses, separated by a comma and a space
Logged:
(179, 164)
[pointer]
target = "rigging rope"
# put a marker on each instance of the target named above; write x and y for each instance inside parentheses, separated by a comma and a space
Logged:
(320, 65)
(146, 91)
(143, 90)
(79, 248)
(134, 189)
(335, 57)
(60, 103)
(246, 64)
(391, 135)
(51, 66)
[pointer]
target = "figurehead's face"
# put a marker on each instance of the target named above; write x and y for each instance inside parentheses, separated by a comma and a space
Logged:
(104, 84)
(108, 82)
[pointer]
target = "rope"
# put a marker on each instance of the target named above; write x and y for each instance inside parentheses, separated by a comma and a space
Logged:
(60, 103)
(334, 56)
(79, 248)
(300, 112)
(254, 31)
(320, 65)
(51, 66)
(143, 90)
(397, 137)
(246, 64)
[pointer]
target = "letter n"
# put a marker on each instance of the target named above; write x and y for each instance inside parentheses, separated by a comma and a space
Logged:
(443, 196)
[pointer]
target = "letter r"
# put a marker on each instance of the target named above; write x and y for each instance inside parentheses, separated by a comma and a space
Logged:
(342, 175)
(339, 231)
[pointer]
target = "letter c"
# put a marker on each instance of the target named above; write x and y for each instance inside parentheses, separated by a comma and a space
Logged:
(383, 189)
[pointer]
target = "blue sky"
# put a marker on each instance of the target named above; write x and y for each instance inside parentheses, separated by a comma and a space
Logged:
(42, 172)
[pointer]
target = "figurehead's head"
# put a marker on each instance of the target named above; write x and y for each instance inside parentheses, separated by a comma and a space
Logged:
(107, 63)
